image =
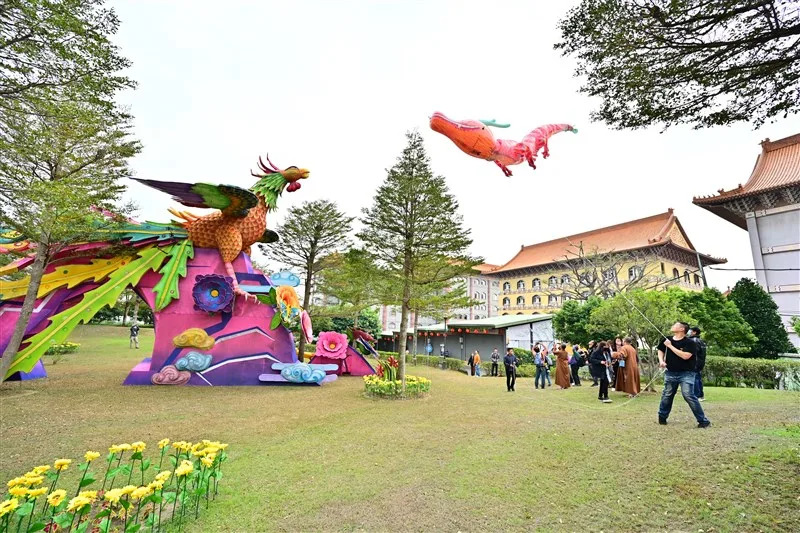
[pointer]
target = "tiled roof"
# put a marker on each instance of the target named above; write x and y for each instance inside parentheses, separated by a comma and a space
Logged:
(486, 267)
(656, 230)
(777, 166)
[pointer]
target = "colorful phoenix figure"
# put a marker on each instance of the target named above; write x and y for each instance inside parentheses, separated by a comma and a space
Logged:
(473, 137)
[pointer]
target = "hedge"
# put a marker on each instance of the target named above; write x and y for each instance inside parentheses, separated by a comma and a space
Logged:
(749, 372)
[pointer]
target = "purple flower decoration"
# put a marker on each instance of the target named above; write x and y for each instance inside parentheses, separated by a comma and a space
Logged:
(212, 293)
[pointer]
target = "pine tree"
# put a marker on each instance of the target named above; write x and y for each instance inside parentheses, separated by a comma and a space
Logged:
(761, 312)
(412, 223)
(311, 232)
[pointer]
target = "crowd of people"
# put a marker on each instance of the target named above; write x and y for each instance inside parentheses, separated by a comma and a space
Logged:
(614, 365)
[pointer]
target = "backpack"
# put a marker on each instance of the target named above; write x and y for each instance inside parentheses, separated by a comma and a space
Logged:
(581, 360)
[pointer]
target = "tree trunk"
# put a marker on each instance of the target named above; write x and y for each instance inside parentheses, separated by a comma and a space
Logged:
(127, 304)
(136, 310)
(403, 326)
(414, 343)
(301, 347)
(37, 271)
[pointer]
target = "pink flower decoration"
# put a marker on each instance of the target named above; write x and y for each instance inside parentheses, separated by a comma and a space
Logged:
(332, 345)
(305, 325)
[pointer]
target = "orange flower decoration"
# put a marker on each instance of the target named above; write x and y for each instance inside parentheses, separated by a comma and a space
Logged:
(288, 296)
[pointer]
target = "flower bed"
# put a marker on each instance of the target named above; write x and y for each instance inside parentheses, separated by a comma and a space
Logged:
(383, 388)
(60, 349)
(34, 501)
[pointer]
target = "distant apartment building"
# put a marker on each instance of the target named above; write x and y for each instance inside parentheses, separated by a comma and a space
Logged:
(768, 207)
(484, 290)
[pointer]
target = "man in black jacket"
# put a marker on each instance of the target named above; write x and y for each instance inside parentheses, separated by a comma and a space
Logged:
(495, 361)
(694, 333)
(511, 362)
(601, 361)
(678, 354)
(589, 352)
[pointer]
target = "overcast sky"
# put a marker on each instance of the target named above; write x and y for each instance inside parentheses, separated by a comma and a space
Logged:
(334, 86)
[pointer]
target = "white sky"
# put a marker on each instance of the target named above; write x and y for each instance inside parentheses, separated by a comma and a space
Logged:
(334, 86)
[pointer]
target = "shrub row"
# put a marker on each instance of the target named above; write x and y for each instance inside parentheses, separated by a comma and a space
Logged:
(59, 349)
(747, 372)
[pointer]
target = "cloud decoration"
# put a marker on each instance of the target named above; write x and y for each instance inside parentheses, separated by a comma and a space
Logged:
(194, 361)
(284, 277)
(169, 375)
(194, 338)
(302, 373)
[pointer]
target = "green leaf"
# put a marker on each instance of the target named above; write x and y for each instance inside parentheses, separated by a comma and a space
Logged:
(63, 519)
(83, 526)
(133, 528)
(88, 480)
(166, 289)
(62, 324)
(125, 504)
(105, 512)
(156, 498)
(169, 497)
(38, 526)
(173, 460)
(276, 320)
(25, 509)
(105, 525)
(136, 456)
(83, 466)
(146, 464)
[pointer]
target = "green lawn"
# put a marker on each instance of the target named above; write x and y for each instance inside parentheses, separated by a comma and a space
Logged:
(471, 457)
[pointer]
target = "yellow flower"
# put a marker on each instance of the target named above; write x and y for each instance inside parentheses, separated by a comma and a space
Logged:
(22, 480)
(77, 503)
(33, 480)
(56, 497)
(186, 446)
(18, 491)
(141, 492)
(127, 489)
(156, 484)
(35, 493)
(163, 443)
(138, 446)
(177, 444)
(124, 447)
(186, 468)
(39, 470)
(91, 494)
(62, 464)
(8, 506)
(91, 456)
(163, 476)
(207, 461)
(113, 495)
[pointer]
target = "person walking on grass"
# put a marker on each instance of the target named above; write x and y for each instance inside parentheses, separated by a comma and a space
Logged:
(589, 352)
(510, 362)
(694, 333)
(678, 354)
(134, 336)
(476, 360)
(562, 367)
(471, 363)
(575, 364)
(601, 361)
(495, 360)
(541, 364)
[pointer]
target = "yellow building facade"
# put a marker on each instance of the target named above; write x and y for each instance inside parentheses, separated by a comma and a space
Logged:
(650, 253)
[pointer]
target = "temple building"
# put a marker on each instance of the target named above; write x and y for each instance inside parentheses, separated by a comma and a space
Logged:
(649, 253)
(768, 207)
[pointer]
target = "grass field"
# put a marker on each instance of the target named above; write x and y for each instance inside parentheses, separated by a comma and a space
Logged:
(471, 457)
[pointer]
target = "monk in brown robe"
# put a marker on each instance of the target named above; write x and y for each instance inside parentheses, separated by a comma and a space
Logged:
(562, 367)
(629, 369)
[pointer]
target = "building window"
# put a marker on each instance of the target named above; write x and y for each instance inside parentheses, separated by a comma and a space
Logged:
(552, 300)
(634, 272)
(610, 274)
(565, 279)
(506, 303)
(697, 280)
(566, 298)
(585, 295)
(506, 286)
(676, 274)
(686, 276)
(520, 285)
(552, 281)
(520, 300)
(536, 284)
(536, 300)
(587, 278)
(392, 325)
(663, 271)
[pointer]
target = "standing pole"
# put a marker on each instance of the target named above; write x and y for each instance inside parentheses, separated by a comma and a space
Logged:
(702, 271)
